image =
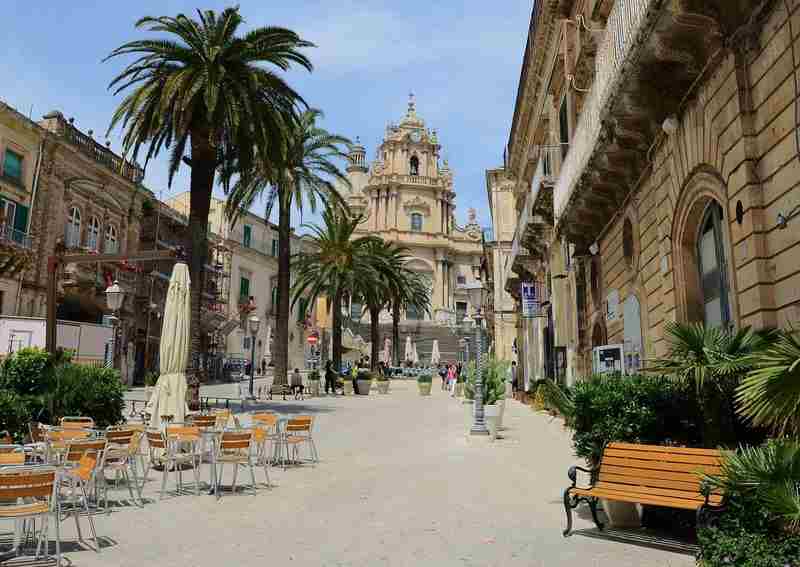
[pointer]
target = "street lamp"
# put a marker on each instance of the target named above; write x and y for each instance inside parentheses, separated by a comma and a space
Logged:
(115, 296)
(254, 323)
(476, 292)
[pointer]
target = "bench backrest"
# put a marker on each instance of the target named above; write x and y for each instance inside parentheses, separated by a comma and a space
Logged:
(657, 469)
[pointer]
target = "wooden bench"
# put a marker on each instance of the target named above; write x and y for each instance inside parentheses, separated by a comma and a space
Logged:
(279, 389)
(647, 474)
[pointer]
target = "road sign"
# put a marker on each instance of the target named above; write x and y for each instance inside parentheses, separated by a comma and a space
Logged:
(312, 340)
(531, 300)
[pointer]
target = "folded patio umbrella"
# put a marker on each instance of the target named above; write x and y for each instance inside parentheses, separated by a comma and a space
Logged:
(415, 355)
(168, 401)
(435, 356)
(409, 349)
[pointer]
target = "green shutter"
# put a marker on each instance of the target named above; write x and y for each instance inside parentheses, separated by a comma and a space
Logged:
(274, 248)
(301, 309)
(21, 218)
(244, 288)
(248, 236)
(275, 297)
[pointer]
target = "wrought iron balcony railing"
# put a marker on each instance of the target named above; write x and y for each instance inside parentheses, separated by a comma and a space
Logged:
(626, 23)
(10, 234)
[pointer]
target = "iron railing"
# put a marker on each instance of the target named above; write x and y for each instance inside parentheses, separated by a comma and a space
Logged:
(10, 234)
(626, 23)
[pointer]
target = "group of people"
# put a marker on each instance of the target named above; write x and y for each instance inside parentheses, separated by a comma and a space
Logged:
(450, 374)
(351, 370)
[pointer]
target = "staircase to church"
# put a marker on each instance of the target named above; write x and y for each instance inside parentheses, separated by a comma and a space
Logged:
(422, 334)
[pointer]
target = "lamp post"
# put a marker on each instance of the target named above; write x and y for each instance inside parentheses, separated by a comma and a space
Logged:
(476, 292)
(254, 323)
(115, 296)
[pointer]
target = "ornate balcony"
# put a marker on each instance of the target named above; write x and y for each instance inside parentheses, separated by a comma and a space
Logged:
(651, 54)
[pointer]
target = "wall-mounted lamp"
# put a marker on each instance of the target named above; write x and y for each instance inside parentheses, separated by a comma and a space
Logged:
(783, 219)
(670, 125)
(594, 248)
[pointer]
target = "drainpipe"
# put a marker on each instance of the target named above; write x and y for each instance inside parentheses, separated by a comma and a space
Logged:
(34, 191)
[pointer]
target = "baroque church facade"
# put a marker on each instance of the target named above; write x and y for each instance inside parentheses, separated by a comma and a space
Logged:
(407, 196)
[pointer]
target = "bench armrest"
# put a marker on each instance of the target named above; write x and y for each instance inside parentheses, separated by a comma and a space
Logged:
(572, 473)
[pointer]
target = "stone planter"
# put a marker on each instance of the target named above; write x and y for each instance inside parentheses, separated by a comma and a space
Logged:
(314, 387)
(459, 389)
(348, 387)
(622, 514)
(364, 386)
(491, 416)
(424, 388)
(502, 404)
(383, 386)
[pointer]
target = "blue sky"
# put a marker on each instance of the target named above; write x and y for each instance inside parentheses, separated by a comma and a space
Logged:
(461, 58)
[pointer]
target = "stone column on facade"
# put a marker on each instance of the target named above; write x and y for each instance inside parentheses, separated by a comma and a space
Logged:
(395, 204)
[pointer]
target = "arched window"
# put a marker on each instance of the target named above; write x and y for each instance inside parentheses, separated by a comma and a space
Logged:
(92, 234)
(72, 236)
(712, 268)
(414, 165)
(416, 222)
(627, 242)
(111, 245)
(594, 280)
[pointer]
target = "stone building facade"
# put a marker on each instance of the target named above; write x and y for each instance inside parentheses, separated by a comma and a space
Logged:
(251, 247)
(655, 153)
(407, 196)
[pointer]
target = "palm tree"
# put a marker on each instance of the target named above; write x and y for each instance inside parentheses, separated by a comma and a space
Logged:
(306, 170)
(335, 266)
(770, 394)
(410, 290)
(210, 96)
(388, 260)
(713, 360)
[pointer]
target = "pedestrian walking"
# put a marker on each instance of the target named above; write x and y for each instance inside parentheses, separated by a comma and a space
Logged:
(297, 384)
(354, 373)
(443, 375)
(513, 371)
(330, 378)
(451, 379)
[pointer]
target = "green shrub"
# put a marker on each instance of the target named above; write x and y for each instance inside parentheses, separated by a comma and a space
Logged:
(494, 385)
(14, 414)
(746, 536)
(151, 378)
(425, 378)
(28, 372)
(89, 391)
(636, 409)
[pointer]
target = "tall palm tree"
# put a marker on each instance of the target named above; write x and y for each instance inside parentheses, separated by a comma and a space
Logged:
(388, 260)
(410, 290)
(770, 394)
(334, 267)
(305, 171)
(207, 94)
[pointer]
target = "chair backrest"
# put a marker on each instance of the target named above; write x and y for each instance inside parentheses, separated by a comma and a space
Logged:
(86, 466)
(235, 440)
(265, 419)
(204, 420)
(35, 431)
(27, 482)
(77, 422)
(120, 436)
(222, 417)
(77, 449)
(300, 423)
(60, 436)
(12, 455)
(155, 439)
(650, 467)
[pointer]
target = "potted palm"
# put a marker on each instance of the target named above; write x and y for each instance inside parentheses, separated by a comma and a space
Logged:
(383, 383)
(150, 380)
(313, 379)
(364, 382)
(424, 382)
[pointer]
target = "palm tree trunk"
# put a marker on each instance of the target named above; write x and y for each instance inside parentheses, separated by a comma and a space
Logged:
(374, 333)
(201, 186)
(337, 330)
(396, 332)
(281, 352)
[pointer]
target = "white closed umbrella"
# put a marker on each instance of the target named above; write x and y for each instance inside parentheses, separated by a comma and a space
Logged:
(409, 349)
(415, 355)
(386, 352)
(435, 356)
(168, 401)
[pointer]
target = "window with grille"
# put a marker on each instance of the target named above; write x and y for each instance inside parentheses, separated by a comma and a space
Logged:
(72, 235)
(563, 128)
(112, 244)
(93, 233)
(712, 268)
(416, 222)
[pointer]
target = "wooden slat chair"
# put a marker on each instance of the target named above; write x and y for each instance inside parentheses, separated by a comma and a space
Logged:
(58, 440)
(267, 438)
(647, 474)
(28, 493)
(236, 448)
(120, 458)
(11, 455)
(179, 446)
(76, 501)
(299, 431)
